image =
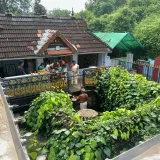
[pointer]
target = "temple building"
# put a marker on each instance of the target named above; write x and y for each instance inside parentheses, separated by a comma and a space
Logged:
(38, 39)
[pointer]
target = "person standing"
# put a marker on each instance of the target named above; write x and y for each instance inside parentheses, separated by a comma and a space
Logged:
(47, 66)
(52, 68)
(25, 67)
(83, 97)
(20, 68)
(75, 71)
(41, 67)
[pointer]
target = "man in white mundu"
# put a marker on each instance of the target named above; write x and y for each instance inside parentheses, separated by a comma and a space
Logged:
(75, 72)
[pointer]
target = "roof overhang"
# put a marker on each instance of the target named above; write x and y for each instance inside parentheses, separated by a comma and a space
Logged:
(48, 37)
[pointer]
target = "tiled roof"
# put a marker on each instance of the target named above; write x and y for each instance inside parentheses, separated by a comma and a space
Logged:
(48, 37)
(19, 33)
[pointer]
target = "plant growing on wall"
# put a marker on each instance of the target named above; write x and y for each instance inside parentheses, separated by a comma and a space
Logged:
(133, 106)
(50, 108)
(118, 88)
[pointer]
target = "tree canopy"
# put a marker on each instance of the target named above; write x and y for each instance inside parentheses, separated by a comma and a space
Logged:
(125, 16)
(15, 6)
(148, 32)
(57, 12)
(39, 9)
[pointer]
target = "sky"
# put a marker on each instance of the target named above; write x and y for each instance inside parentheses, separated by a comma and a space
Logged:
(77, 5)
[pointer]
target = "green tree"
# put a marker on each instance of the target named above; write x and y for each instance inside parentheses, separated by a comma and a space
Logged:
(39, 9)
(15, 6)
(87, 15)
(148, 32)
(100, 7)
(123, 20)
(57, 12)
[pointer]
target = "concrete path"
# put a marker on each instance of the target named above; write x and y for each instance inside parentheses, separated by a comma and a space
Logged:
(7, 148)
(151, 154)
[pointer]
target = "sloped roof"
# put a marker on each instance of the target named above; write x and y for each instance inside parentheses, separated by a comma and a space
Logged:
(19, 35)
(48, 37)
(122, 41)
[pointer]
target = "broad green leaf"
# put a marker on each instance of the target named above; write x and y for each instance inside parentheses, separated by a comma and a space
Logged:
(116, 132)
(83, 142)
(107, 151)
(38, 149)
(113, 136)
(72, 157)
(94, 144)
(87, 149)
(97, 154)
(33, 155)
(67, 132)
(51, 154)
(78, 145)
(103, 140)
(87, 156)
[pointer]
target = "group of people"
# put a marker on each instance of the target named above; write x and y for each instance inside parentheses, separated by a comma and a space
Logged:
(59, 66)
(56, 67)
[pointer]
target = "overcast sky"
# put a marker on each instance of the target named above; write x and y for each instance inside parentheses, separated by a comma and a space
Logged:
(77, 5)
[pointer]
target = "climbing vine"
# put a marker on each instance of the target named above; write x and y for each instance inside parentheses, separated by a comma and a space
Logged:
(131, 104)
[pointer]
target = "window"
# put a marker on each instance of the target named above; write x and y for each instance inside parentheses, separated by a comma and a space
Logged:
(87, 60)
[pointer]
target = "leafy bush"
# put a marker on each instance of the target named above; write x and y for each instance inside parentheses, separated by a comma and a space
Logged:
(50, 109)
(104, 137)
(118, 88)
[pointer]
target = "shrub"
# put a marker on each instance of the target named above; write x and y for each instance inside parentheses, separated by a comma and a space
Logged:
(104, 137)
(50, 109)
(118, 88)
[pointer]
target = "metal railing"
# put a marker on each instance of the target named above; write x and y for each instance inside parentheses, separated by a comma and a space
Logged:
(152, 73)
(34, 84)
(90, 76)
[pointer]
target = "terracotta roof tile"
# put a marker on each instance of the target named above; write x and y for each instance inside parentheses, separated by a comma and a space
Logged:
(20, 32)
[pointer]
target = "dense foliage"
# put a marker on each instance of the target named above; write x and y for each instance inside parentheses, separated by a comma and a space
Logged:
(59, 13)
(118, 88)
(123, 16)
(39, 9)
(105, 136)
(15, 6)
(148, 31)
(50, 109)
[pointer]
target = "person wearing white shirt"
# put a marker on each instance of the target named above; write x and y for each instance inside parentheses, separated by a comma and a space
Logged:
(75, 72)
(47, 67)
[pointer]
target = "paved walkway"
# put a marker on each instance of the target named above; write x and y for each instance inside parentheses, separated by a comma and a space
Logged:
(151, 154)
(7, 148)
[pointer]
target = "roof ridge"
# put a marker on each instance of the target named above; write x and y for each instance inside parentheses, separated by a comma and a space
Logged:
(48, 17)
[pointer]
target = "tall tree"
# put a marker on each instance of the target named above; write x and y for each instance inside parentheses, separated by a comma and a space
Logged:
(57, 12)
(39, 9)
(148, 32)
(15, 6)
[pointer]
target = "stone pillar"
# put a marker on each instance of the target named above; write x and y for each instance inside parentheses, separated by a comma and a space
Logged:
(100, 59)
(104, 60)
(75, 58)
(107, 60)
(130, 59)
(38, 62)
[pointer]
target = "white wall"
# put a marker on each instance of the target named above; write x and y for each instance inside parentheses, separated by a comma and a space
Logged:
(103, 59)
(38, 62)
